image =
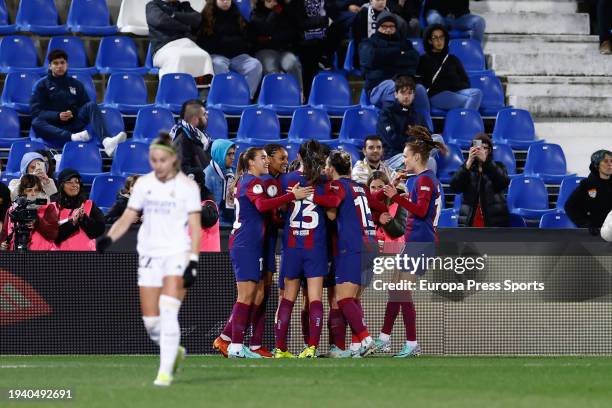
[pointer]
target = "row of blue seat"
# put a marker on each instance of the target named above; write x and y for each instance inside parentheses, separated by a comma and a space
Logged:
(90, 17)
(449, 218)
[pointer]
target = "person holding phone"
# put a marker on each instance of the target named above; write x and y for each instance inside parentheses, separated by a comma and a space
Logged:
(34, 163)
(482, 181)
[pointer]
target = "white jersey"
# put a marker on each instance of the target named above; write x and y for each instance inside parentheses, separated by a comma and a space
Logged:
(166, 208)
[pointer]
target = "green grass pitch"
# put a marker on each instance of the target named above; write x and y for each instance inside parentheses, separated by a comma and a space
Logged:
(211, 381)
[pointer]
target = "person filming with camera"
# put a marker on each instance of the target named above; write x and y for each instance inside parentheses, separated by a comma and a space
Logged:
(482, 181)
(31, 223)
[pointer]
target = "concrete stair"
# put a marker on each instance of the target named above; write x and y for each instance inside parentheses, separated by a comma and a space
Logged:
(516, 6)
(536, 23)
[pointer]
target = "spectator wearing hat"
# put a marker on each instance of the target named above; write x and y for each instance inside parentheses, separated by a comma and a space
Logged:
(34, 163)
(80, 221)
(591, 201)
(385, 55)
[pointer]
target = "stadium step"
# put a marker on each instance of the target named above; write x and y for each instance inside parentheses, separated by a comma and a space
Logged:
(545, 43)
(590, 63)
(536, 23)
(516, 6)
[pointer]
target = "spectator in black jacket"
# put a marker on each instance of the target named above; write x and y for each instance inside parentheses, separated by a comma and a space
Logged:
(482, 182)
(61, 109)
(223, 33)
(591, 202)
(443, 75)
(456, 15)
(275, 34)
(171, 27)
(394, 121)
(385, 55)
(191, 141)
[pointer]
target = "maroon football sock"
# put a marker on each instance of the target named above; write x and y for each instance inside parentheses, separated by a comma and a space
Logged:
(352, 314)
(337, 328)
(315, 322)
(391, 312)
(409, 314)
(240, 320)
(304, 319)
(281, 326)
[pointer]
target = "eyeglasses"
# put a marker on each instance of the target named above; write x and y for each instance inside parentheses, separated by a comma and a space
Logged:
(387, 26)
(73, 182)
(438, 37)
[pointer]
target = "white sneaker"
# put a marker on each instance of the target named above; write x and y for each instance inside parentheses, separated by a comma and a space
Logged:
(81, 136)
(110, 143)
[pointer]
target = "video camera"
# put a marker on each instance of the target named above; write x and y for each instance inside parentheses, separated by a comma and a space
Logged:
(23, 215)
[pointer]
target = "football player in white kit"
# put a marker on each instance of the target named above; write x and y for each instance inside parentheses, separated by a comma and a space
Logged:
(168, 248)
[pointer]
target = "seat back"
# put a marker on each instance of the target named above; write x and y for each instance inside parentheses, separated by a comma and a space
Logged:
(230, 88)
(174, 89)
(81, 156)
(88, 83)
(115, 53)
(279, 89)
(217, 124)
(449, 163)
(556, 220)
(546, 158)
(131, 158)
(104, 190)
(503, 153)
(358, 123)
(258, 123)
(17, 51)
(417, 44)
(469, 52)
(448, 218)
(18, 87)
(492, 90)
(73, 46)
(329, 88)
(309, 123)
(37, 12)
(126, 89)
(462, 124)
(514, 124)
(92, 13)
(113, 120)
(10, 127)
(527, 192)
(568, 185)
(150, 121)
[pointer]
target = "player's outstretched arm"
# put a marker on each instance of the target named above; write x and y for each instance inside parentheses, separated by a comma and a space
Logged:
(119, 228)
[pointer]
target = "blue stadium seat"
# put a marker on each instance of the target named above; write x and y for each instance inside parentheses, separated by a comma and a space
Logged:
(217, 125)
(458, 34)
(427, 116)
(442, 198)
(83, 157)
(280, 92)
(417, 44)
(547, 161)
(5, 27)
(448, 218)
(174, 89)
(90, 17)
(556, 220)
(515, 127)
(118, 54)
(357, 124)
(126, 92)
(568, 185)
(457, 202)
(39, 17)
(88, 83)
(104, 190)
(10, 129)
(77, 57)
(150, 121)
(516, 221)
(528, 197)
(364, 100)
(131, 158)
(469, 52)
(18, 149)
(330, 91)
(503, 153)
(244, 6)
(492, 92)
(113, 119)
(349, 59)
(258, 125)
(153, 70)
(309, 123)
(449, 163)
(461, 125)
(292, 148)
(6, 179)
(350, 148)
(18, 90)
(18, 54)
(230, 93)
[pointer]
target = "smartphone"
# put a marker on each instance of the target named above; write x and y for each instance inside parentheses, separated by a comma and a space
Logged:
(39, 166)
(477, 143)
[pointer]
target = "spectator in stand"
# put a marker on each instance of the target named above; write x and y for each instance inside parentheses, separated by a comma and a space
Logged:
(373, 152)
(275, 34)
(409, 11)
(364, 25)
(396, 119)
(191, 141)
(171, 24)
(219, 176)
(443, 74)
(591, 201)
(123, 196)
(385, 55)
(61, 109)
(80, 221)
(49, 160)
(456, 15)
(223, 33)
(33, 163)
(43, 230)
(482, 182)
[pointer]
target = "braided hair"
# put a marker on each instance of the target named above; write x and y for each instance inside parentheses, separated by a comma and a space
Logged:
(421, 142)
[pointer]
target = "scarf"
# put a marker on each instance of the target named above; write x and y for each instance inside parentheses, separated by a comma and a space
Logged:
(227, 178)
(192, 133)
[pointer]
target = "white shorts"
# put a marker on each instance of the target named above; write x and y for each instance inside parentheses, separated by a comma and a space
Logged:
(152, 270)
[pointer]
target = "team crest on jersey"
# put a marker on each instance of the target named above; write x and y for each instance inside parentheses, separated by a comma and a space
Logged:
(72, 90)
(593, 193)
(257, 189)
(272, 190)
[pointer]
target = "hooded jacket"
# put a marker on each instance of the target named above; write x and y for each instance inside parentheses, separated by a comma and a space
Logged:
(274, 29)
(52, 95)
(590, 202)
(170, 21)
(228, 38)
(385, 56)
(217, 177)
(451, 78)
(48, 189)
(487, 188)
